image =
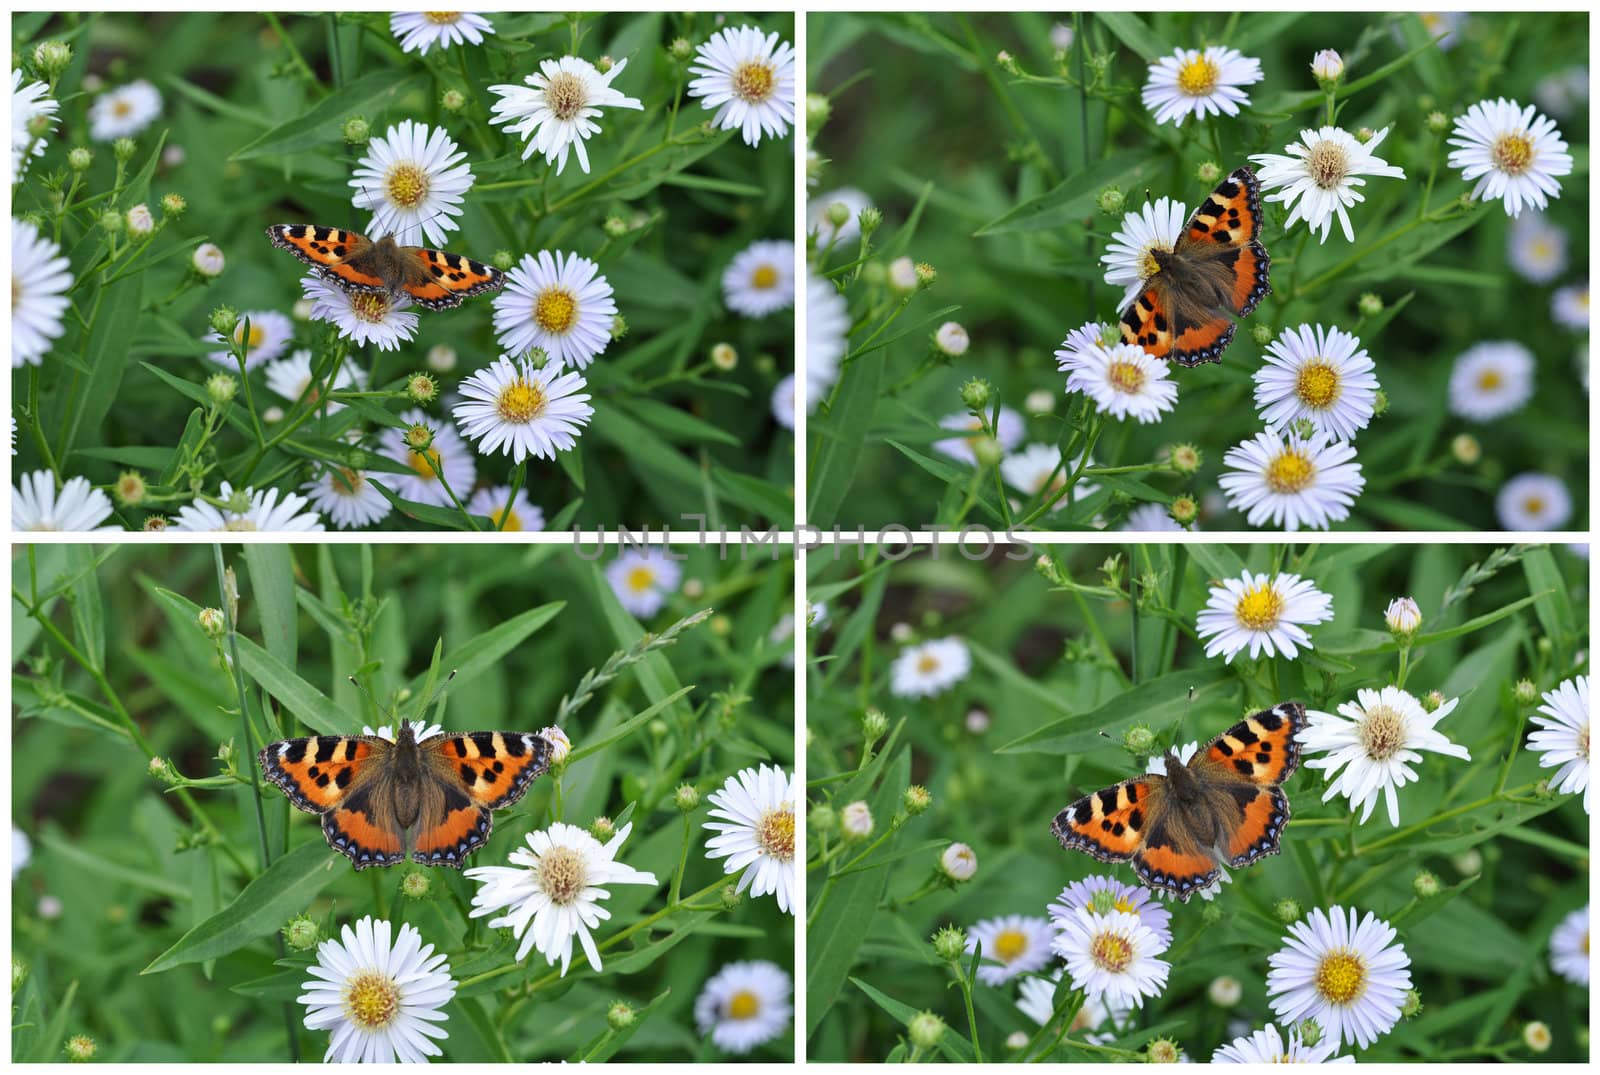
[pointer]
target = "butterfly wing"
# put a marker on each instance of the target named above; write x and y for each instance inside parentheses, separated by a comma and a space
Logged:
(364, 829)
(470, 775)
(1227, 227)
(1164, 863)
(437, 280)
(1111, 824)
(1165, 327)
(319, 772)
(334, 252)
(1247, 763)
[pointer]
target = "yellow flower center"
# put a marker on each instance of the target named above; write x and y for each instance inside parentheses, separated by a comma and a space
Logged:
(16, 291)
(764, 277)
(1112, 952)
(775, 833)
(1290, 472)
(371, 1000)
(1541, 249)
(520, 402)
(754, 81)
(257, 334)
(240, 525)
(1512, 153)
(426, 464)
(1533, 505)
(512, 520)
(1382, 733)
(1198, 77)
(641, 579)
(121, 108)
(407, 185)
(1341, 977)
(562, 874)
(743, 1005)
(1122, 904)
(346, 482)
(1583, 752)
(441, 18)
(1126, 376)
(1148, 265)
(1259, 608)
(1318, 384)
(556, 310)
(927, 664)
(1009, 945)
(1327, 164)
(565, 95)
(1489, 380)
(369, 307)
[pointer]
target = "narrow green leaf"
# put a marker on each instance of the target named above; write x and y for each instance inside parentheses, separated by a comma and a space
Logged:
(273, 593)
(838, 453)
(323, 124)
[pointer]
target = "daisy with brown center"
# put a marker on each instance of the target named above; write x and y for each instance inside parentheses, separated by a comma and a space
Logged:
(1192, 82)
(1536, 248)
(749, 79)
(556, 111)
(1267, 1046)
(1514, 153)
(755, 809)
(1321, 375)
(348, 497)
(1112, 956)
(380, 319)
(1125, 381)
(1320, 177)
(1266, 613)
(558, 303)
(555, 894)
(1292, 482)
(745, 1005)
(1369, 748)
(412, 179)
(419, 31)
(513, 408)
(1351, 978)
(247, 511)
(1562, 738)
(380, 1000)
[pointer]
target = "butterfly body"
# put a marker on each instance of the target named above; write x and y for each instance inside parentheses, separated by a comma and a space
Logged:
(1224, 807)
(1216, 271)
(383, 802)
(432, 279)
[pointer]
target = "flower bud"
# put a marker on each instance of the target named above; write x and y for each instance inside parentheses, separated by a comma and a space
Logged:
(1327, 66)
(950, 944)
(987, 451)
(1185, 459)
(173, 205)
(560, 745)
(975, 394)
(977, 721)
(1039, 402)
(917, 799)
(1111, 201)
(111, 221)
(686, 798)
(154, 524)
(1525, 692)
(1310, 1032)
(79, 158)
(619, 327)
(19, 972)
(416, 885)
(823, 818)
(602, 828)
(903, 276)
(123, 149)
(1380, 403)
(1225, 991)
(1466, 449)
(837, 214)
(1287, 910)
(1162, 1051)
(856, 820)
(224, 320)
(1403, 617)
(421, 388)
(818, 109)
(441, 358)
(680, 49)
(1468, 863)
(869, 219)
(130, 488)
(724, 357)
(1017, 1040)
(951, 339)
(52, 58)
(80, 1048)
(1138, 739)
(1262, 334)
(452, 100)
(1536, 1036)
(1411, 1007)
(357, 131)
(140, 222)
(1007, 63)
(874, 724)
(1369, 304)
(1437, 122)
(1184, 510)
(1209, 172)
(958, 862)
(927, 275)
(1424, 884)
(925, 1030)
(221, 387)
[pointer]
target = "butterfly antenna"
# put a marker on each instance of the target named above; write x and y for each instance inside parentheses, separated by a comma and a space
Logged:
(1177, 731)
(438, 689)
(362, 687)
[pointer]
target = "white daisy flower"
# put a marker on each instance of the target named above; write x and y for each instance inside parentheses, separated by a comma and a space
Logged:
(419, 31)
(40, 278)
(1536, 248)
(511, 407)
(348, 497)
(378, 319)
(28, 104)
(755, 832)
(520, 515)
(1102, 895)
(1533, 501)
(1036, 1000)
(930, 668)
(1350, 978)
(381, 1001)
(760, 278)
(420, 730)
(827, 337)
(559, 303)
(1374, 741)
(1443, 26)
(1112, 956)
(643, 579)
(748, 79)
(1012, 945)
(744, 1005)
(1197, 83)
(1563, 737)
(958, 862)
(1267, 613)
(412, 178)
(448, 461)
(1267, 1046)
(291, 378)
(1514, 153)
(555, 895)
(1491, 379)
(817, 213)
(1128, 260)
(1569, 947)
(1570, 306)
(270, 335)
(1008, 431)
(783, 402)
(246, 511)
(1037, 466)
(1125, 381)
(79, 506)
(124, 111)
(1150, 517)
(558, 112)
(1321, 375)
(1292, 483)
(1322, 173)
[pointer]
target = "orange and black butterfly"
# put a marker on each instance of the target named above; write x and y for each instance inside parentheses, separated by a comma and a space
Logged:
(1224, 807)
(1215, 272)
(431, 278)
(383, 801)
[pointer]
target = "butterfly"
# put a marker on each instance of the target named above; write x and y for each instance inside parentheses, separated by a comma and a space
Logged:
(384, 801)
(433, 279)
(1215, 272)
(1224, 807)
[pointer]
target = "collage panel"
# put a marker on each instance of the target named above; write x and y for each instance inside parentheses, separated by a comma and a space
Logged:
(421, 271)
(1208, 270)
(378, 802)
(1204, 802)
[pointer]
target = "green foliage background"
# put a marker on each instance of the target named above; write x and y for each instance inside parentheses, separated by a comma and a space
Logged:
(993, 179)
(136, 865)
(1057, 664)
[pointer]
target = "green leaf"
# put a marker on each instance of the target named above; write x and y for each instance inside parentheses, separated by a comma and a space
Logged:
(838, 451)
(616, 1039)
(951, 1043)
(324, 123)
(1551, 605)
(273, 593)
(1074, 197)
(106, 355)
(88, 613)
(483, 651)
(1136, 34)
(1158, 703)
(676, 425)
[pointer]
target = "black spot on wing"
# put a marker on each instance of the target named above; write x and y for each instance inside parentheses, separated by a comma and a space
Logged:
(484, 741)
(326, 745)
(294, 752)
(1244, 766)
